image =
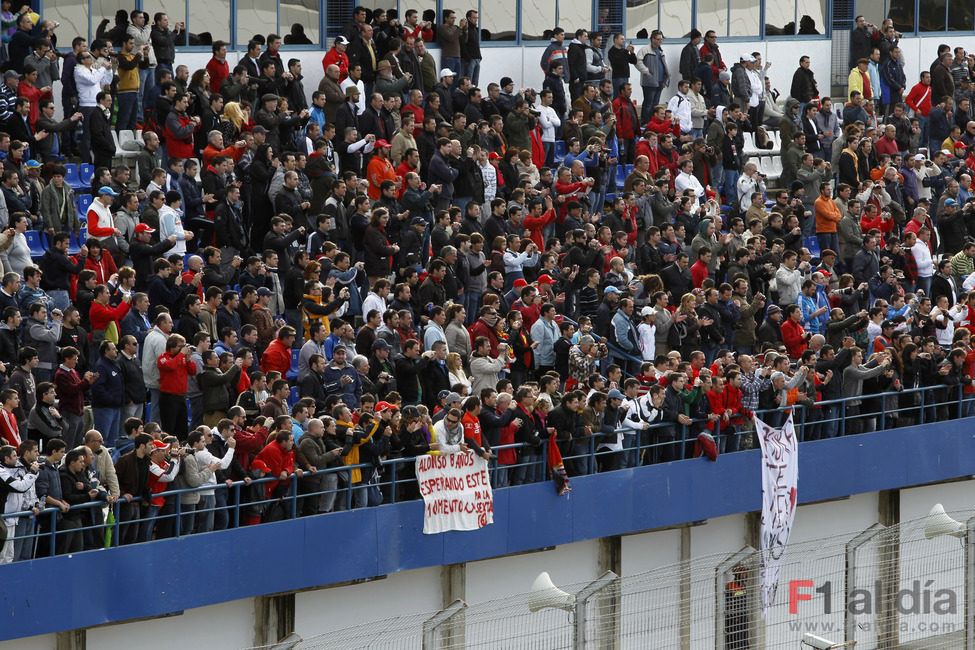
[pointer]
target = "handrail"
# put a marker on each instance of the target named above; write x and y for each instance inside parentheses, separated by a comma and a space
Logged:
(390, 480)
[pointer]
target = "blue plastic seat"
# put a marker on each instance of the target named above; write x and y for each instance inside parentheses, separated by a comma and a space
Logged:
(86, 173)
(812, 243)
(72, 178)
(84, 202)
(293, 397)
(559, 150)
(629, 169)
(74, 246)
(36, 242)
(293, 372)
(621, 175)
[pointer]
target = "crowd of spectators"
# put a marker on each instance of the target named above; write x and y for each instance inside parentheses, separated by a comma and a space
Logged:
(269, 282)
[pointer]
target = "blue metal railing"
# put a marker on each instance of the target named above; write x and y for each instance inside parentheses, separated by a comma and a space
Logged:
(396, 481)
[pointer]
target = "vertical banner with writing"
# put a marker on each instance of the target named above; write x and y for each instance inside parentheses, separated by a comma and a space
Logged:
(456, 492)
(780, 476)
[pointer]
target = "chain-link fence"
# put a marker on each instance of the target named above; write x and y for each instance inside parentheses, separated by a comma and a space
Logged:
(901, 586)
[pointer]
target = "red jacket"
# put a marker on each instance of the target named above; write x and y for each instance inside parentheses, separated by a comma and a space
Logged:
(643, 149)
(562, 189)
(35, 96)
(535, 225)
(341, 59)
(277, 356)
(71, 391)
(219, 70)
(919, 99)
(627, 120)
(969, 368)
(279, 461)
(794, 337)
(104, 267)
(101, 315)
(174, 369)
(180, 148)
(480, 328)
(883, 226)
(664, 159)
(529, 313)
(661, 127)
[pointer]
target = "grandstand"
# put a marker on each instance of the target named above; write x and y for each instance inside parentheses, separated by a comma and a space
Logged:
(265, 270)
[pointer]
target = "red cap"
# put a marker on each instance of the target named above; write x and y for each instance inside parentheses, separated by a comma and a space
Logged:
(260, 464)
(383, 143)
(158, 445)
(519, 283)
(144, 227)
(545, 278)
(494, 156)
(384, 406)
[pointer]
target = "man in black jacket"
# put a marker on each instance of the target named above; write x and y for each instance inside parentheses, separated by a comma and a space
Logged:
(143, 253)
(407, 373)
(133, 405)
(677, 278)
(577, 63)
(100, 131)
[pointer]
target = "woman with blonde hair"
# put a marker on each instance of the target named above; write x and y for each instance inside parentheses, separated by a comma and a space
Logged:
(455, 371)
(232, 122)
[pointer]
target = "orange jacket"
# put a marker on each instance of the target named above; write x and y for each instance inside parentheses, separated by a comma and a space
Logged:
(379, 170)
(827, 215)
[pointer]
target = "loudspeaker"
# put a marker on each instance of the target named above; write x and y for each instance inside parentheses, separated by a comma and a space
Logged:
(939, 523)
(544, 594)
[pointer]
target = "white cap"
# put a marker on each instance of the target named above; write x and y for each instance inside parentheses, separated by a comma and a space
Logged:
(918, 157)
(946, 152)
(447, 72)
(646, 311)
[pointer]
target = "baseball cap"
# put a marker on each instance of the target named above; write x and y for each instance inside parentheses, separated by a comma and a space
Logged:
(442, 394)
(33, 164)
(918, 156)
(447, 72)
(545, 278)
(418, 221)
(646, 311)
(158, 445)
(105, 189)
(144, 227)
(886, 324)
(945, 152)
(615, 394)
(951, 202)
(264, 291)
(380, 344)
(259, 129)
(453, 397)
(383, 144)
(519, 283)
(383, 406)
(341, 40)
(494, 156)
(257, 463)
(610, 289)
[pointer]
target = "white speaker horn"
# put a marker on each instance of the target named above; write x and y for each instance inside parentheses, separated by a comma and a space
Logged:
(545, 594)
(939, 523)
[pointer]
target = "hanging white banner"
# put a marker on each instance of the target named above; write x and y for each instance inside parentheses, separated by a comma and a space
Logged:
(780, 478)
(456, 492)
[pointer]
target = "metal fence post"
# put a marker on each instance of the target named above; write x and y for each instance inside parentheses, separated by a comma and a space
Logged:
(179, 513)
(582, 599)
(432, 625)
(849, 581)
(294, 496)
(970, 585)
(392, 482)
(236, 505)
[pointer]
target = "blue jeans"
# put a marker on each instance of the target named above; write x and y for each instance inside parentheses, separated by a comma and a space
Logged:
(154, 406)
(205, 513)
(527, 469)
(828, 240)
(455, 66)
(549, 149)
(923, 283)
(471, 301)
(651, 97)
(221, 518)
(107, 421)
(631, 449)
(147, 525)
(617, 83)
(471, 68)
(128, 105)
(830, 421)
(147, 79)
(187, 517)
(730, 186)
(60, 298)
(24, 545)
